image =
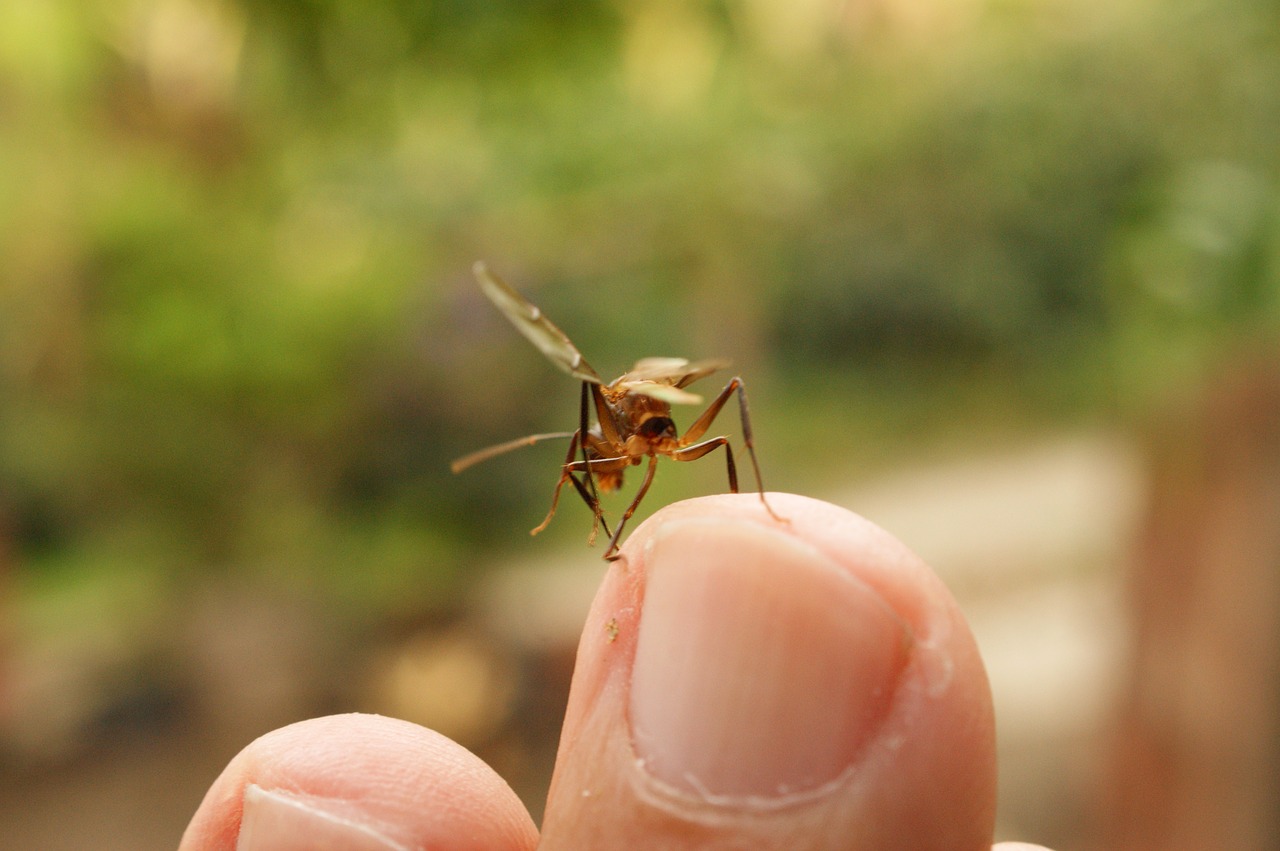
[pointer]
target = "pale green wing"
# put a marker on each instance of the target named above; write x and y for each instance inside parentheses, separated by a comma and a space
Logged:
(700, 369)
(529, 321)
(668, 393)
(676, 371)
(658, 369)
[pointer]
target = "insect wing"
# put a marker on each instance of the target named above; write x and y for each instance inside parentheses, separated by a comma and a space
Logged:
(700, 369)
(674, 371)
(530, 322)
(668, 393)
(658, 369)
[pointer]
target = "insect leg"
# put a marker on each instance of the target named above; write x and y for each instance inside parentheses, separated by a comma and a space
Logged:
(592, 496)
(699, 426)
(567, 471)
(604, 415)
(703, 422)
(594, 506)
(555, 497)
(612, 552)
(589, 493)
(693, 453)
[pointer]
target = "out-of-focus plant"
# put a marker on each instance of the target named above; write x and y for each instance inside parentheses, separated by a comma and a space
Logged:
(236, 329)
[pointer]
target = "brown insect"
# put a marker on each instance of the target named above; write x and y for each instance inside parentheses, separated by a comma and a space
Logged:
(633, 416)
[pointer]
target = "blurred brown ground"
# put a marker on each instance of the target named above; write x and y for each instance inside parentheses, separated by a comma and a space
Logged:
(1033, 540)
(1030, 540)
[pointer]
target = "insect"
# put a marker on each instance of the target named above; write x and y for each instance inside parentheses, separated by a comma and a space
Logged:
(633, 417)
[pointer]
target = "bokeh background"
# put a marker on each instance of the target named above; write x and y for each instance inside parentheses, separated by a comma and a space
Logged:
(1002, 276)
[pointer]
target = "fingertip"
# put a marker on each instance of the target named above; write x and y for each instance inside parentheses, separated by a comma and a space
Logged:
(364, 778)
(802, 597)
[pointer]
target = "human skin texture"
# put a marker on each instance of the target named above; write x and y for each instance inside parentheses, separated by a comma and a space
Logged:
(742, 682)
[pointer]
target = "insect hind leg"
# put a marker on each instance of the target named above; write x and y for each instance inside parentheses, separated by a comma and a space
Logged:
(588, 495)
(593, 502)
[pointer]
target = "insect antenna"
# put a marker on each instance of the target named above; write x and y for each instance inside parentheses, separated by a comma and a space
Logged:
(470, 460)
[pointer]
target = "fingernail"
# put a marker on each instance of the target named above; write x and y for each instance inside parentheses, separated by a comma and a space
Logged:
(280, 821)
(761, 668)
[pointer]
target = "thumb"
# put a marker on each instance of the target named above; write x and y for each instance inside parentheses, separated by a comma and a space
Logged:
(743, 683)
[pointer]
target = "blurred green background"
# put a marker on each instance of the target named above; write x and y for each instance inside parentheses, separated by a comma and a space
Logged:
(239, 342)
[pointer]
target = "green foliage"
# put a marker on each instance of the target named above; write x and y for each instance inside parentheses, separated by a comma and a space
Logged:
(235, 314)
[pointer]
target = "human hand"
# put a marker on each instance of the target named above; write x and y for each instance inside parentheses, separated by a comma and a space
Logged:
(740, 684)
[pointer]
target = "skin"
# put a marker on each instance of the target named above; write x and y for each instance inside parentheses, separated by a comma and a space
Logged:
(908, 763)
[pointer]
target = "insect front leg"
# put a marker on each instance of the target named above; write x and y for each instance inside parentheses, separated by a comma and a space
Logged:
(611, 553)
(693, 453)
(702, 423)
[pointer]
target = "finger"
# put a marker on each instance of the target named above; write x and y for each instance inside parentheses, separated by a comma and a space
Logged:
(357, 782)
(748, 683)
